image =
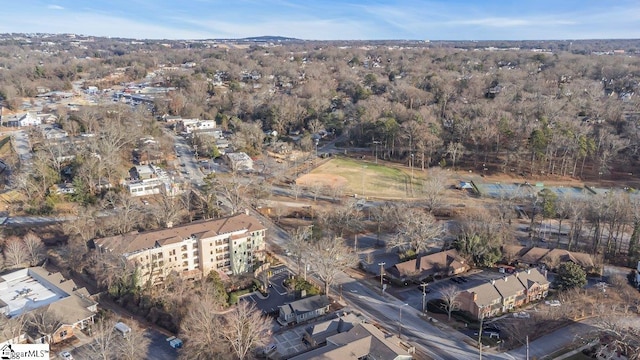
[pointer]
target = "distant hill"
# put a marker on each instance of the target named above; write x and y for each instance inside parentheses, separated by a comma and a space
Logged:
(269, 38)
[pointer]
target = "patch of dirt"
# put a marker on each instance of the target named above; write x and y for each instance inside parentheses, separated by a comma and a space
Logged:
(324, 179)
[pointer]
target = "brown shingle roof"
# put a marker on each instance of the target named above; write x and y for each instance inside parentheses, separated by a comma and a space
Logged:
(531, 277)
(561, 255)
(135, 241)
(486, 294)
(430, 264)
(362, 340)
(509, 286)
(534, 255)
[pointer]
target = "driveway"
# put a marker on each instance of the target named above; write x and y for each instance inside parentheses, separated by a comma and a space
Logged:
(278, 294)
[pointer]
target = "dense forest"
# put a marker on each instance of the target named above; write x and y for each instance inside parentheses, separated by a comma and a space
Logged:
(532, 111)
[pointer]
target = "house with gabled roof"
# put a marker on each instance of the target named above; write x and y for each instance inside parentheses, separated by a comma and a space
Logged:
(304, 309)
(511, 290)
(363, 341)
(535, 283)
(37, 292)
(481, 301)
(503, 294)
(443, 263)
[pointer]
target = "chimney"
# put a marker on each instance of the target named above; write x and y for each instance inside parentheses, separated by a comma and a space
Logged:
(505, 278)
(493, 282)
(529, 271)
(246, 211)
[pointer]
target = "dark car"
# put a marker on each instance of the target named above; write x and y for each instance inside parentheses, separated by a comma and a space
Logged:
(463, 279)
(456, 280)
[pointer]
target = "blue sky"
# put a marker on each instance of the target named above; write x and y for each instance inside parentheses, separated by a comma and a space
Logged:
(328, 19)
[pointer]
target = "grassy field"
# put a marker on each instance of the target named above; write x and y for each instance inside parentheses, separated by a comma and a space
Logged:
(5, 146)
(376, 180)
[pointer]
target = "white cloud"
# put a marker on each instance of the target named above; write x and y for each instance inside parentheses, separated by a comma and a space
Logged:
(55, 7)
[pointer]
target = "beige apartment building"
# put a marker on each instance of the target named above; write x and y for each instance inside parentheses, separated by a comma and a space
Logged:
(231, 245)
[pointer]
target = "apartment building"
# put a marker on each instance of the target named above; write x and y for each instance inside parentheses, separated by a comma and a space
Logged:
(231, 245)
(504, 294)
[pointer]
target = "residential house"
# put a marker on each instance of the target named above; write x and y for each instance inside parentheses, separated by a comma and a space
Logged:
(481, 301)
(231, 245)
(535, 283)
(556, 257)
(27, 119)
(511, 290)
(34, 290)
(444, 263)
(532, 256)
(239, 161)
(53, 132)
(317, 334)
(503, 294)
(194, 125)
(304, 309)
(363, 341)
(551, 258)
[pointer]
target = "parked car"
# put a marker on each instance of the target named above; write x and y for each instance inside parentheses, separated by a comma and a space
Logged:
(522, 315)
(552, 302)
(463, 279)
(66, 355)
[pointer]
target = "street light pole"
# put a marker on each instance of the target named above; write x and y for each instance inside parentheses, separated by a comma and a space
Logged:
(363, 195)
(382, 264)
(424, 297)
(400, 321)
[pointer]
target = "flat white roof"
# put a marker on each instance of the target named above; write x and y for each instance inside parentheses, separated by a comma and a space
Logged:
(23, 293)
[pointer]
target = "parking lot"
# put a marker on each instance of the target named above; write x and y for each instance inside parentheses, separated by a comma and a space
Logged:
(412, 293)
(278, 294)
(290, 341)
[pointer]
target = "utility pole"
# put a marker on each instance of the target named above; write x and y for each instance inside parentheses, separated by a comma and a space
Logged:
(355, 243)
(400, 321)
(382, 264)
(480, 336)
(424, 297)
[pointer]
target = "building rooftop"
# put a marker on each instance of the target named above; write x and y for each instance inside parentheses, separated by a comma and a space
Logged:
(363, 341)
(134, 242)
(306, 305)
(21, 292)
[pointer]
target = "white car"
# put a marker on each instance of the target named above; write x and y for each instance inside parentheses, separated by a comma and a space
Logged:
(552, 302)
(522, 315)
(66, 355)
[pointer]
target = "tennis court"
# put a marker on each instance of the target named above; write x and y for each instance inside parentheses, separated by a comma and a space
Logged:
(500, 190)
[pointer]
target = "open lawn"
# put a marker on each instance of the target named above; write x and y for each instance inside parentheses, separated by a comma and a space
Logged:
(5, 146)
(364, 178)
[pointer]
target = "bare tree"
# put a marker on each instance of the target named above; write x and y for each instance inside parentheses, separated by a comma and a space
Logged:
(34, 248)
(168, 210)
(449, 297)
(622, 336)
(134, 345)
(15, 253)
(433, 189)
(328, 257)
(455, 151)
(298, 246)
(232, 189)
(43, 322)
(245, 328)
(417, 230)
(105, 339)
(201, 330)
